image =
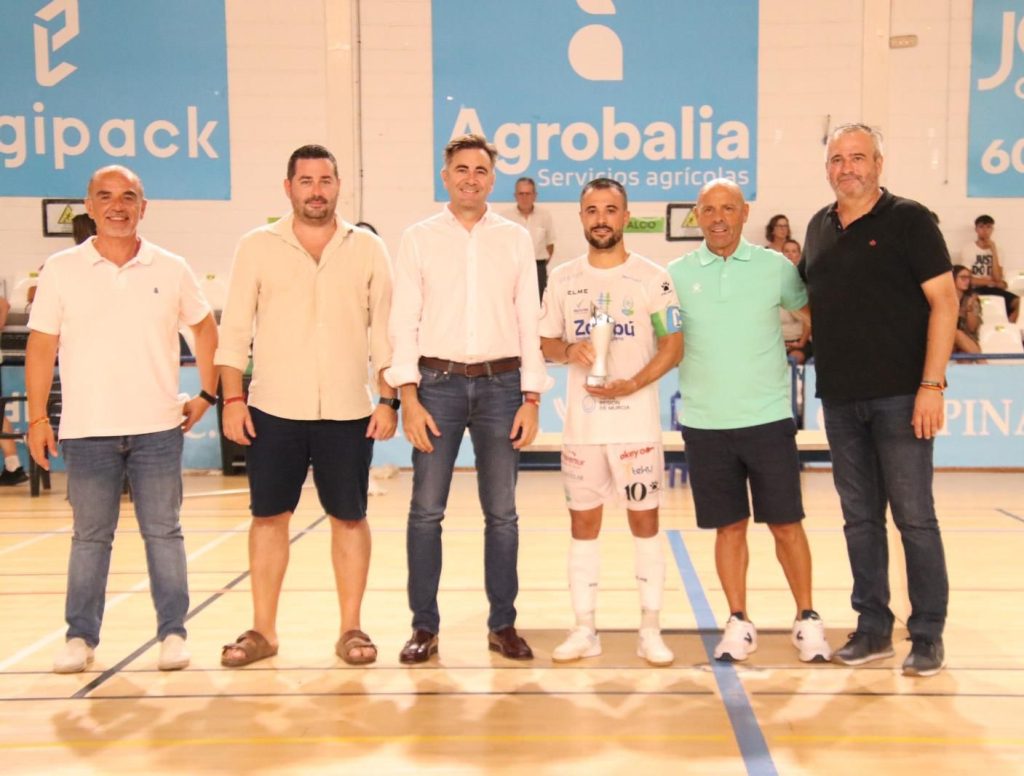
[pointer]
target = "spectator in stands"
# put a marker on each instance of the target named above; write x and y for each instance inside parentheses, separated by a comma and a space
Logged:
(777, 232)
(969, 320)
(982, 256)
(796, 331)
(12, 473)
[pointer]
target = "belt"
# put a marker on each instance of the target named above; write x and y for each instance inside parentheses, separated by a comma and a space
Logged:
(482, 369)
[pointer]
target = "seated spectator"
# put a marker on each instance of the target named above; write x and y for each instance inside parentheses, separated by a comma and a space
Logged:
(777, 232)
(969, 320)
(795, 331)
(982, 256)
(12, 473)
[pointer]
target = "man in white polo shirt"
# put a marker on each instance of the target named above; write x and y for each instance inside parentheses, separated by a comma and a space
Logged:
(612, 436)
(113, 306)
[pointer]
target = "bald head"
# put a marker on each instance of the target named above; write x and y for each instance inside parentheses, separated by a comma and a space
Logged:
(721, 213)
(128, 175)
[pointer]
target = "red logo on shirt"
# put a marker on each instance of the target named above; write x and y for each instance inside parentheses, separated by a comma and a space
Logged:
(872, 243)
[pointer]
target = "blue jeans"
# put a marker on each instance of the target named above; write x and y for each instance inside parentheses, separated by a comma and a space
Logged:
(877, 460)
(487, 406)
(96, 468)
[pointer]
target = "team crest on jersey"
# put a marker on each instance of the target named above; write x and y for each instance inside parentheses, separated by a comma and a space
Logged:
(627, 306)
(696, 288)
(603, 301)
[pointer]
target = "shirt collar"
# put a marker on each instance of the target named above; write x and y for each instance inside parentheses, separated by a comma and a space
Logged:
(143, 256)
(742, 253)
(883, 202)
(284, 228)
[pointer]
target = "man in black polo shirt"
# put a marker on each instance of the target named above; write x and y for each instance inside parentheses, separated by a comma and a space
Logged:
(884, 311)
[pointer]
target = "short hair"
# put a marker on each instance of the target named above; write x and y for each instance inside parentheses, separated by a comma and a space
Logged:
(82, 228)
(795, 242)
(526, 179)
(464, 142)
(604, 184)
(771, 225)
(958, 268)
(845, 129)
(724, 182)
(311, 151)
(984, 220)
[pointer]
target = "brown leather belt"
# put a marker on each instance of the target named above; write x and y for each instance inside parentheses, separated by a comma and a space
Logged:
(482, 369)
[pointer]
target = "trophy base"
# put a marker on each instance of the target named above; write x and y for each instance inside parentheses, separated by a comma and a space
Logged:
(596, 381)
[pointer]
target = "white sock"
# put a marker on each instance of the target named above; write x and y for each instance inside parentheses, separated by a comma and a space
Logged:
(12, 463)
(584, 574)
(650, 578)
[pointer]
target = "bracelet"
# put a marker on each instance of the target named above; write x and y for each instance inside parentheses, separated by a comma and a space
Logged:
(209, 398)
(929, 385)
(233, 399)
(531, 400)
(44, 419)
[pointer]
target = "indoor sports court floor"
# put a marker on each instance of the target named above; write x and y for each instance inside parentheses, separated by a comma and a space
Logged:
(472, 712)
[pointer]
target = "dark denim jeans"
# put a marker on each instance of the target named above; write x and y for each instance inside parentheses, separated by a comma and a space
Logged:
(877, 460)
(96, 469)
(487, 406)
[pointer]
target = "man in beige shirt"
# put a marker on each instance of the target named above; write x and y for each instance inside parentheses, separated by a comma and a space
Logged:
(538, 223)
(306, 290)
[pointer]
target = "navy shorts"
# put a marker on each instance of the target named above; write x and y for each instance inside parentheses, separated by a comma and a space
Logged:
(279, 458)
(722, 462)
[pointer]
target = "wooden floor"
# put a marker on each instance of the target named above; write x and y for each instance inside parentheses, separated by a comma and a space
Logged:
(471, 712)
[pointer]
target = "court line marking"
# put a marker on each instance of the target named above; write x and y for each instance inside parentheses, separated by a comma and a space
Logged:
(143, 584)
(36, 537)
(753, 747)
(1010, 514)
(114, 669)
(840, 739)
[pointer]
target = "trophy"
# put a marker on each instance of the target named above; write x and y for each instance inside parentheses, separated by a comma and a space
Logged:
(601, 329)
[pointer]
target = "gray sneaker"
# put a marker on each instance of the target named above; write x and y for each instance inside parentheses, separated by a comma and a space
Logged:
(926, 658)
(862, 648)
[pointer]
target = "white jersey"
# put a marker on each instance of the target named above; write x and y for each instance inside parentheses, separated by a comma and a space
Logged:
(639, 297)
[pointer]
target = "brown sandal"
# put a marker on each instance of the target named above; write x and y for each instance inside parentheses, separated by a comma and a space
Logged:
(254, 647)
(352, 640)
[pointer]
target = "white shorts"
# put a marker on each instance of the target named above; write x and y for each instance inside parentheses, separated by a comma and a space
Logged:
(631, 472)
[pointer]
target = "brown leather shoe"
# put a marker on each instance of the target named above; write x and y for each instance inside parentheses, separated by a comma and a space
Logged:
(419, 647)
(510, 644)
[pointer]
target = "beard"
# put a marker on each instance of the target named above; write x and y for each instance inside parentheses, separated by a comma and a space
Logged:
(318, 209)
(604, 243)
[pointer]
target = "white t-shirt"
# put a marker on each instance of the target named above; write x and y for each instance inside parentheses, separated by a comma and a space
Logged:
(977, 260)
(118, 329)
(639, 297)
(540, 226)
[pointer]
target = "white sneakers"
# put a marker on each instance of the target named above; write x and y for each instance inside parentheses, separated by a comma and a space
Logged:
(738, 641)
(652, 648)
(581, 642)
(72, 658)
(809, 639)
(173, 654)
(75, 656)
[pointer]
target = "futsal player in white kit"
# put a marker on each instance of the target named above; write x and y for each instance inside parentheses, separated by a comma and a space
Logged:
(611, 443)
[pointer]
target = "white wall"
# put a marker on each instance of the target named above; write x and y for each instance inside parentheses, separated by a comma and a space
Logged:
(306, 71)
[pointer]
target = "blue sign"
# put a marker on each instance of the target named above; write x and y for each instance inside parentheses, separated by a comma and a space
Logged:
(659, 94)
(984, 415)
(87, 83)
(995, 152)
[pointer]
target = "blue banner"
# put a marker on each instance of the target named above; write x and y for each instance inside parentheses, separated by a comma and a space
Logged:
(995, 150)
(87, 83)
(984, 415)
(658, 94)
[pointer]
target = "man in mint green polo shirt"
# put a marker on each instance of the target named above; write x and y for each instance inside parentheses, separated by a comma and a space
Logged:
(737, 418)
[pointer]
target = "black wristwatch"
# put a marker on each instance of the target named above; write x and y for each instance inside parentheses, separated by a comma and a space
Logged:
(392, 403)
(211, 400)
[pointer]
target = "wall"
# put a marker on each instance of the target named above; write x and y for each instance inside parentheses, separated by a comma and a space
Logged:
(355, 74)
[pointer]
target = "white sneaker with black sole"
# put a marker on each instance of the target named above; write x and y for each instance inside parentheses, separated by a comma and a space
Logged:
(738, 641)
(809, 638)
